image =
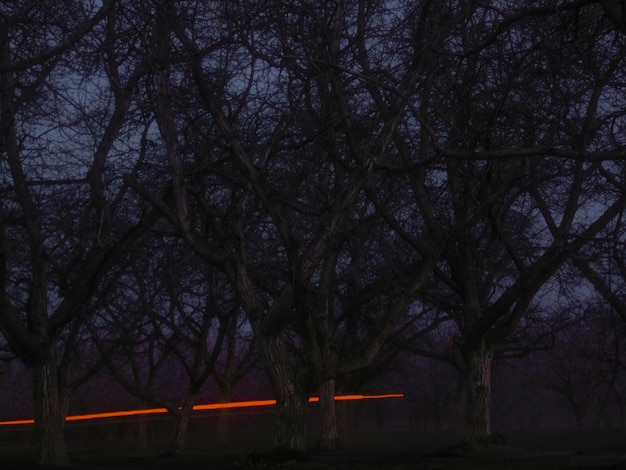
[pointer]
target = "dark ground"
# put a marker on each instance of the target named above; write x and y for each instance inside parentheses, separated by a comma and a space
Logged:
(536, 450)
(345, 461)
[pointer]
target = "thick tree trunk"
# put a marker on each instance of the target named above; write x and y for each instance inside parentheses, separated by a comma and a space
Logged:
(49, 414)
(330, 436)
(290, 422)
(290, 432)
(478, 404)
(179, 430)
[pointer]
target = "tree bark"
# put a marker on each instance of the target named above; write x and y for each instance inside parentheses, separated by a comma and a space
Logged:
(49, 414)
(291, 404)
(290, 422)
(478, 390)
(330, 435)
(179, 430)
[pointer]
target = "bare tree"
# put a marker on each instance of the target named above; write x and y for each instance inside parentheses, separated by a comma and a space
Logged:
(586, 365)
(277, 223)
(478, 157)
(63, 218)
(166, 315)
(430, 119)
(327, 161)
(239, 356)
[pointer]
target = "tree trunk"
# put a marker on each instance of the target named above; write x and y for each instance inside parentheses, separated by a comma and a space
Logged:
(478, 405)
(579, 413)
(328, 411)
(142, 427)
(580, 421)
(179, 430)
(49, 414)
(290, 422)
(290, 432)
(222, 434)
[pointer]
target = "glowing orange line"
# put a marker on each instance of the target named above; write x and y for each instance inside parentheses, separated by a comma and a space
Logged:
(115, 414)
(368, 397)
(20, 421)
(210, 406)
(235, 404)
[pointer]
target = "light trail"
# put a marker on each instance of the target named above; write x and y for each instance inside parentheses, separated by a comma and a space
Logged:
(209, 406)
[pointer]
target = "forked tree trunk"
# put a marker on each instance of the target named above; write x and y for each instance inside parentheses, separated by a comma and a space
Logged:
(478, 389)
(49, 414)
(330, 436)
(290, 432)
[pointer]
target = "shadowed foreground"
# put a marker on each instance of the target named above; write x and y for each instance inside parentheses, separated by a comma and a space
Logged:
(371, 451)
(346, 460)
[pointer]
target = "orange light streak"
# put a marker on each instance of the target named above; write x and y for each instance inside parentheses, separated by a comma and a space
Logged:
(366, 397)
(234, 404)
(209, 406)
